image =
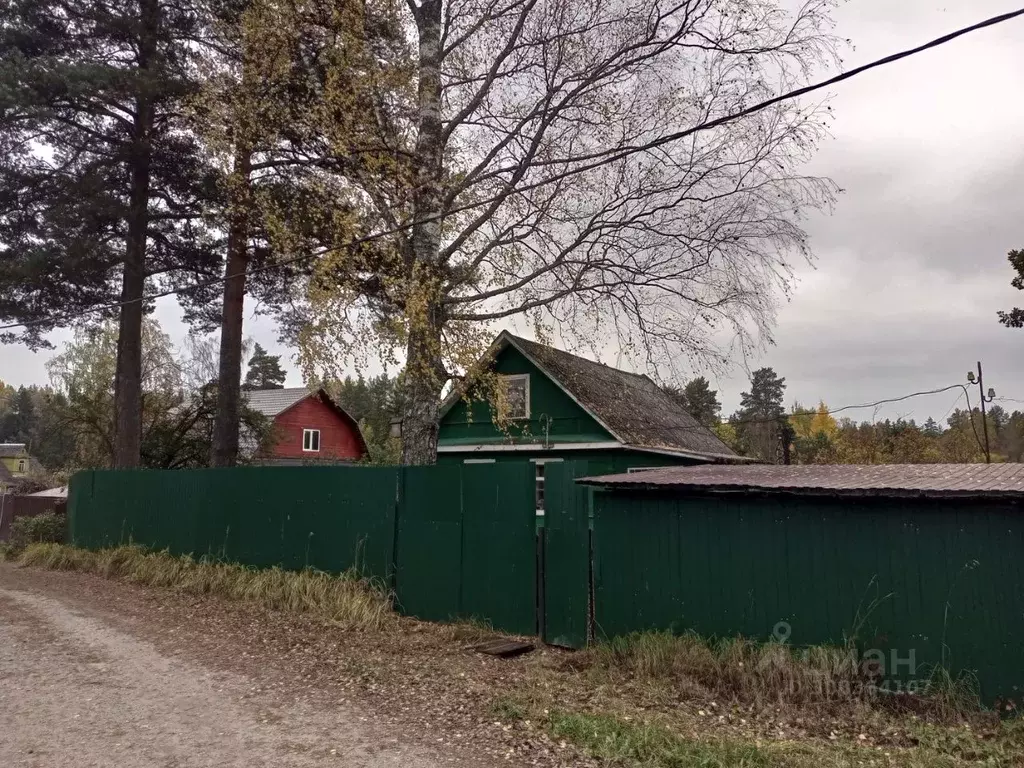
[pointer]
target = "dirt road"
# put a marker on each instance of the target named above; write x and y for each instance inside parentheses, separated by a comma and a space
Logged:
(78, 690)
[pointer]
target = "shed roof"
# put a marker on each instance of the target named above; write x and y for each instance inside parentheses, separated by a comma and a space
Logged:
(936, 480)
(60, 492)
(635, 410)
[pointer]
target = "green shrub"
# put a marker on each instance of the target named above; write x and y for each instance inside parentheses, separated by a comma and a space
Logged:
(48, 528)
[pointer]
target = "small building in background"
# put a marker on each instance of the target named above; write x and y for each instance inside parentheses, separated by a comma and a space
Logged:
(306, 427)
(15, 464)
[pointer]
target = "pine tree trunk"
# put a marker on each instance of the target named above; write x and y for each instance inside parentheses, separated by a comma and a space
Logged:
(227, 420)
(128, 372)
(424, 374)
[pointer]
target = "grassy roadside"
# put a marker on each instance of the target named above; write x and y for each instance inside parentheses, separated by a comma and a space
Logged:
(347, 599)
(645, 701)
(646, 739)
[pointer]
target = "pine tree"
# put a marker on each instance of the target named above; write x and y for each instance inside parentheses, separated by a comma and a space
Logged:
(761, 423)
(702, 401)
(100, 186)
(265, 371)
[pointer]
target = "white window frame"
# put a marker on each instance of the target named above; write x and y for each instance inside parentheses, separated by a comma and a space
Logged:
(21, 465)
(478, 461)
(307, 440)
(525, 377)
(539, 480)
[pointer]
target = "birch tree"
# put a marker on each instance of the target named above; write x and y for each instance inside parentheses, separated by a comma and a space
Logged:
(531, 159)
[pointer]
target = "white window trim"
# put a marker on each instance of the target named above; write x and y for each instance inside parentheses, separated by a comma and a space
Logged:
(21, 465)
(310, 432)
(479, 461)
(520, 377)
(631, 470)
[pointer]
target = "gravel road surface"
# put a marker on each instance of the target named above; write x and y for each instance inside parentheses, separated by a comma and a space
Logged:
(76, 690)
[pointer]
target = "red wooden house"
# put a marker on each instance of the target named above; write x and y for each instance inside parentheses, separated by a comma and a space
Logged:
(307, 427)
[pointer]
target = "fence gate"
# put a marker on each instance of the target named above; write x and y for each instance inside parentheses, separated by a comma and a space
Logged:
(567, 558)
(467, 544)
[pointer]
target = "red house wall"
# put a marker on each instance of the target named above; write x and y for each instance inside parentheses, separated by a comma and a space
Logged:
(338, 439)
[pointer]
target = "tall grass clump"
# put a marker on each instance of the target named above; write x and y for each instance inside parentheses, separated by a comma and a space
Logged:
(346, 599)
(734, 668)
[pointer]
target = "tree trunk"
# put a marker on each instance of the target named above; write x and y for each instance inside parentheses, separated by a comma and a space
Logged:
(128, 372)
(425, 372)
(228, 417)
(423, 384)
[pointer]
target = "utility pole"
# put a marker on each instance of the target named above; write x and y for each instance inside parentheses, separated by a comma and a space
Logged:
(986, 397)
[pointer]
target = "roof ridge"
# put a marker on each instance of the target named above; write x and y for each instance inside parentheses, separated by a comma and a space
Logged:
(581, 357)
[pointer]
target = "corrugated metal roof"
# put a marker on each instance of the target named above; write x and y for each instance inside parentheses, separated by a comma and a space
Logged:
(271, 402)
(1002, 480)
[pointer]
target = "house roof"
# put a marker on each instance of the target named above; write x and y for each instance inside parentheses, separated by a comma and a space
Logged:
(636, 411)
(272, 402)
(927, 480)
(12, 450)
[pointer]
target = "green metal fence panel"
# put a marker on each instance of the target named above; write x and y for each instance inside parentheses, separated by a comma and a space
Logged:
(923, 582)
(429, 550)
(499, 555)
(330, 518)
(455, 542)
(566, 555)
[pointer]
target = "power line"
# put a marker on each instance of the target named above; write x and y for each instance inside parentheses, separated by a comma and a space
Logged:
(832, 411)
(603, 159)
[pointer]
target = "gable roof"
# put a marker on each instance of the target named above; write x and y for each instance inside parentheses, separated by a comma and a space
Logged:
(273, 402)
(636, 411)
(13, 450)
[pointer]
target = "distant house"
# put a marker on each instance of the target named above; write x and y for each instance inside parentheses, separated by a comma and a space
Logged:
(306, 427)
(15, 463)
(564, 407)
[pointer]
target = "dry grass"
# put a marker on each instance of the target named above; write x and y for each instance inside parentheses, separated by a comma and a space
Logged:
(348, 600)
(740, 670)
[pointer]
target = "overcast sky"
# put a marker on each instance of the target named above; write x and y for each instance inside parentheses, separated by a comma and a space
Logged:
(911, 267)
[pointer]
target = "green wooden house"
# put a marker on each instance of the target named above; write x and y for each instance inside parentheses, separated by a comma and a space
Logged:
(564, 407)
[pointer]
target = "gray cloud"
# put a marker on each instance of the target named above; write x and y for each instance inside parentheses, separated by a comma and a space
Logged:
(911, 265)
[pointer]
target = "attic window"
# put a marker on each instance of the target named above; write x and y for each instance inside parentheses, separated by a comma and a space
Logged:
(311, 440)
(517, 396)
(21, 465)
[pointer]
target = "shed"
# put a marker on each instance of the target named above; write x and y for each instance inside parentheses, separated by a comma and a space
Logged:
(919, 565)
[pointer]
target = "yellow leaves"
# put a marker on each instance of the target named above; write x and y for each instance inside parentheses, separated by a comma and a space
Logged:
(809, 424)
